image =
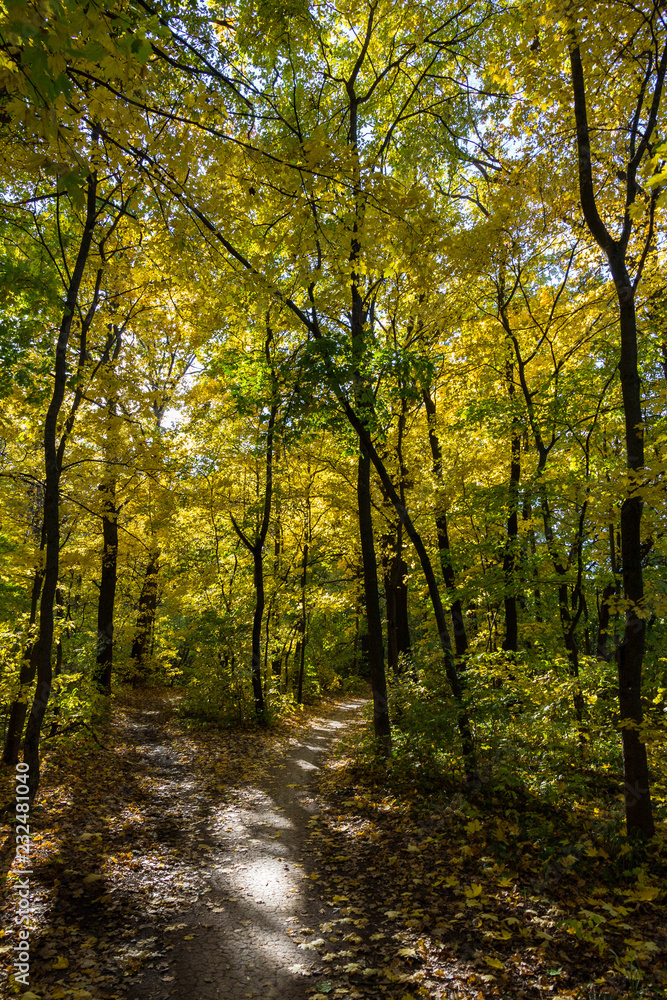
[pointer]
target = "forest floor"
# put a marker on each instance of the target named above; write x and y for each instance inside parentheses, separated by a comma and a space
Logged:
(174, 864)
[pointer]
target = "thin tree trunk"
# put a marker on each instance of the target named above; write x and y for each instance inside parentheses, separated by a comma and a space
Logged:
(304, 623)
(456, 680)
(256, 546)
(456, 611)
(143, 632)
(372, 601)
(511, 640)
(304, 581)
(256, 655)
(107, 595)
(604, 620)
(395, 569)
(19, 707)
(44, 645)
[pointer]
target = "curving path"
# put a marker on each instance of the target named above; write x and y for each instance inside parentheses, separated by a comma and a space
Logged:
(234, 942)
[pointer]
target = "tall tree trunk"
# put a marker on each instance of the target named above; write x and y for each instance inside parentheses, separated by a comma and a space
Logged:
(604, 620)
(107, 595)
(511, 640)
(19, 707)
(537, 593)
(256, 654)
(630, 654)
(143, 631)
(454, 677)
(372, 601)
(304, 616)
(395, 569)
(52, 467)
(456, 611)
(307, 539)
(256, 546)
(638, 809)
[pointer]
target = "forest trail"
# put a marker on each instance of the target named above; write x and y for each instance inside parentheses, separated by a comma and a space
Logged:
(233, 941)
(168, 863)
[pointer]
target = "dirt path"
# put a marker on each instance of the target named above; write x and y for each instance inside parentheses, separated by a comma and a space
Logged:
(234, 940)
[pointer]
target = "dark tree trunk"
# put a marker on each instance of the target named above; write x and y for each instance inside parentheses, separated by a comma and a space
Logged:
(456, 611)
(256, 655)
(44, 645)
(604, 619)
(403, 640)
(143, 632)
(304, 608)
(511, 640)
(456, 679)
(537, 594)
(394, 574)
(256, 546)
(630, 654)
(19, 707)
(372, 601)
(107, 595)
(638, 808)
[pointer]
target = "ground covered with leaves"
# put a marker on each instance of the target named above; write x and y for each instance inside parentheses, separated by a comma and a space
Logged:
(491, 894)
(155, 843)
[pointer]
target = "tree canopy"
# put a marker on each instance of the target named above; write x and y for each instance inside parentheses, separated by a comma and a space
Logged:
(333, 347)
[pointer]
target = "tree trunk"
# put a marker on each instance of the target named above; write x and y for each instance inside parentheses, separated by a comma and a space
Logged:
(511, 640)
(44, 645)
(107, 595)
(381, 723)
(256, 546)
(19, 707)
(395, 570)
(141, 644)
(604, 620)
(256, 656)
(304, 608)
(456, 680)
(456, 611)
(638, 809)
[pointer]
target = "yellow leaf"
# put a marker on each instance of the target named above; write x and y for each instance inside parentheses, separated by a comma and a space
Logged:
(495, 963)
(474, 890)
(60, 963)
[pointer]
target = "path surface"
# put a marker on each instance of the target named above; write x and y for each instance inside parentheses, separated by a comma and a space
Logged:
(233, 942)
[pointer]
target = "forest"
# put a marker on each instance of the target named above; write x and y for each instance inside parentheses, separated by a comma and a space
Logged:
(333, 340)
